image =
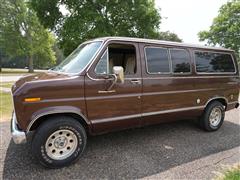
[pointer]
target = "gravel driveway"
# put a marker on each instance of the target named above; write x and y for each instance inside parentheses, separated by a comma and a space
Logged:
(127, 154)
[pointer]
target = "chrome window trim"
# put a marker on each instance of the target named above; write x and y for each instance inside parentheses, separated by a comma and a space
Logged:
(210, 73)
(146, 61)
(189, 60)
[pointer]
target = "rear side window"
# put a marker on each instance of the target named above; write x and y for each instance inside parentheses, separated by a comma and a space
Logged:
(157, 60)
(209, 62)
(180, 61)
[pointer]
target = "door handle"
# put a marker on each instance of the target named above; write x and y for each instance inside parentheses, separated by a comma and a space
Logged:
(136, 81)
(105, 92)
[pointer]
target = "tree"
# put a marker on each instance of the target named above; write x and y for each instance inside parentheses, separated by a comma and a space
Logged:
(22, 34)
(225, 30)
(169, 36)
(95, 18)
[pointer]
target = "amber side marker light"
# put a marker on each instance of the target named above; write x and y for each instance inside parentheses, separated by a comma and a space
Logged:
(32, 99)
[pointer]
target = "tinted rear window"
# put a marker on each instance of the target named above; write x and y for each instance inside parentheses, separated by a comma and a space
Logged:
(208, 62)
(157, 60)
(180, 61)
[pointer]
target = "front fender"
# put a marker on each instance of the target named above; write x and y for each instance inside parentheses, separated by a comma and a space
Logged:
(56, 110)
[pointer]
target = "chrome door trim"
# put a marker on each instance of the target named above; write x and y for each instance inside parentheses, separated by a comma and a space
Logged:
(172, 110)
(104, 120)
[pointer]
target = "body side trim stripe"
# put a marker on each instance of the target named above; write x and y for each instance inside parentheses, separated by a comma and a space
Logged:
(95, 121)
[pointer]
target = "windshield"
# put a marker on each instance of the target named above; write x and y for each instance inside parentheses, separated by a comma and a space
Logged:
(79, 58)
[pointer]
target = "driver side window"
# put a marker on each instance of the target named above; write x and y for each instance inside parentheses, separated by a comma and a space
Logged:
(123, 55)
(103, 64)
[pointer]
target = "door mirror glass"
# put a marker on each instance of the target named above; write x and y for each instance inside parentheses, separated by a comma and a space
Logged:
(119, 72)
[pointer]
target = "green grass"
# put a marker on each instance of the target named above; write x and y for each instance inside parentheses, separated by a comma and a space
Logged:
(6, 106)
(6, 84)
(17, 72)
(231, 174)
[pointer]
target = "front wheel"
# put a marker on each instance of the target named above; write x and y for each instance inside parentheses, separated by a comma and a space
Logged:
(213, 116)
(59, 141)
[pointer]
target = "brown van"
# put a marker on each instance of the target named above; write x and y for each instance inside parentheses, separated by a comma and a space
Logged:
(115, 83)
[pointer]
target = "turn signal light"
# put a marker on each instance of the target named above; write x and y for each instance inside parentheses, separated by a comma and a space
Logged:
(32, 99)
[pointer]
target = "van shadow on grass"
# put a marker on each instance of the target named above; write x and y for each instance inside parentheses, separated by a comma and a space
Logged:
(129, 154)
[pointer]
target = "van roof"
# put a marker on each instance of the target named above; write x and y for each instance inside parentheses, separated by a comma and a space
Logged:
(153, 41)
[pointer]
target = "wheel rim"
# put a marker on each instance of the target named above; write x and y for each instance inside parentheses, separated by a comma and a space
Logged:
(61, 144)
(215, 116)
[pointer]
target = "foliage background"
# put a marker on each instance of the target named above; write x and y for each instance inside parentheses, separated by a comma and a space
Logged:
(225, 29)
(39, 34)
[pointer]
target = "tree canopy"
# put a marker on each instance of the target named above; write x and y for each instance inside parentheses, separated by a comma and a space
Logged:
(22, 34)
(225, 29)
(75, 21)
(168, 36)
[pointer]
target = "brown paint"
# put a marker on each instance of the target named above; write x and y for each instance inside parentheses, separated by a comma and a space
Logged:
(158, 98)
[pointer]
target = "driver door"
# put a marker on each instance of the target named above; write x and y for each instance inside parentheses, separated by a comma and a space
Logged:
(114, 106)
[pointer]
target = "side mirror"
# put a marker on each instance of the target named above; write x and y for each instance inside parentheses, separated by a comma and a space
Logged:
(118, 71)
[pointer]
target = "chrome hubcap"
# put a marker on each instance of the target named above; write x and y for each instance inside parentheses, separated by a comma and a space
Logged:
(215, 116)
(61, 144)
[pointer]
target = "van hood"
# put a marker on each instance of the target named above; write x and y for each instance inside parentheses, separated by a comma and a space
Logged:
(38, 77)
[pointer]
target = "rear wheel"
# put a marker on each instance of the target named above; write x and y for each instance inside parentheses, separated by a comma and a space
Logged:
(213, 116)
(59, 141)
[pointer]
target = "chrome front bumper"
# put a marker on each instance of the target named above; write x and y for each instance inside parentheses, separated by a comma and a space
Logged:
(19, 136)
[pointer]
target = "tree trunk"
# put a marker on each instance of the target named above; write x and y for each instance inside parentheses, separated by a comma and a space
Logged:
(30, 64)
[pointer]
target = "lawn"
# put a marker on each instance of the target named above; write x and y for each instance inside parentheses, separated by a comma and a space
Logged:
(6, 106)
(17, 72)
(6, 84)
(231, 174)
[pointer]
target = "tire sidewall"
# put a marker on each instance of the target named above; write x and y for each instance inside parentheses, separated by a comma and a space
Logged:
(40, 140)
(207, 123)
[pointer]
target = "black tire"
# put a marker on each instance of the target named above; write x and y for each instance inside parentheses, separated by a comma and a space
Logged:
(205, 119)
(54, 125)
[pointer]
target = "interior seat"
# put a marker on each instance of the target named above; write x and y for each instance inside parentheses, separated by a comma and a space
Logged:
(130, 65)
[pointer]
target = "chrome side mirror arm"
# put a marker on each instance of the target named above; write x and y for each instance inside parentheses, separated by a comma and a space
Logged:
(113, 83)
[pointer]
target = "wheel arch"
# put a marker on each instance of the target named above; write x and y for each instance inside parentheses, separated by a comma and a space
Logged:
(40, 117)
(222, 100)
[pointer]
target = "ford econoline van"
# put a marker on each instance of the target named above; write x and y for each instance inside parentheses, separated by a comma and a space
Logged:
(114, 83)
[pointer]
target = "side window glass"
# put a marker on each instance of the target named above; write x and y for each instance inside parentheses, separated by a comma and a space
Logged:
(123, 55)
(103, 64)
(180, 61)
(157, 60)
(209, 62)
